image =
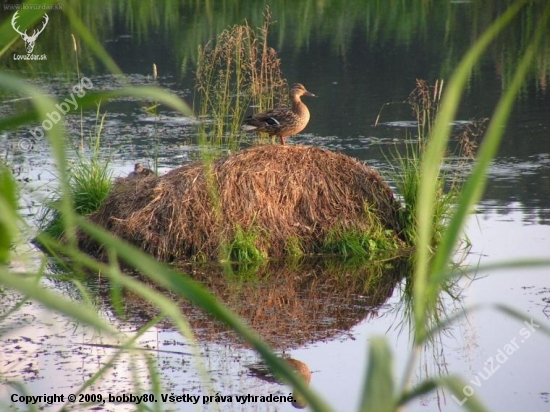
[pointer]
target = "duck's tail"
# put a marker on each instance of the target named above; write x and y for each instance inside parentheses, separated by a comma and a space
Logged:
(248, 127)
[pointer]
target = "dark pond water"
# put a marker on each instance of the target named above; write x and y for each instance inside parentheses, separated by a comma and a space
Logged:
(356, 57)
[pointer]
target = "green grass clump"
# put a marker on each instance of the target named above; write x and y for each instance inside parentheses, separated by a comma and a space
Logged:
(406, 173)
(244, 249)
(90, 180)
(354, 242)
(294, 247)
(348, 242)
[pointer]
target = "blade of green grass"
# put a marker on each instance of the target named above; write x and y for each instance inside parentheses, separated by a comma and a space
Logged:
(91, 98)
(54, 301)
(454, 384)
(167, 306)
(432, 159)
(197, 294)
(8, 215)
(520, 316)
(475, 185)
(98, 49)
(43, 105)
(108, 364)
(378, 390)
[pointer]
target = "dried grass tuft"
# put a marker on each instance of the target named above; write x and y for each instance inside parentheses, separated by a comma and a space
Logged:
(281, 193)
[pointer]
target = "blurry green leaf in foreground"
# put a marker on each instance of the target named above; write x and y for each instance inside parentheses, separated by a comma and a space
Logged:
(379, 385)
(8, 206)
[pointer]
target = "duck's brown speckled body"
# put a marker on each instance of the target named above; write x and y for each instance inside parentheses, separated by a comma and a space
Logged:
(282, 122)
(140, 171)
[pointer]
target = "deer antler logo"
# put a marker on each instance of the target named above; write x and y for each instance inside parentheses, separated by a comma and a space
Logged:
(29, 40)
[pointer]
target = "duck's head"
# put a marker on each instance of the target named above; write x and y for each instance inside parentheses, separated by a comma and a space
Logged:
(298, 90)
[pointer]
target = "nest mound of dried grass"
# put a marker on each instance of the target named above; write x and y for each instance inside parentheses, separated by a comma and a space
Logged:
(279, 192)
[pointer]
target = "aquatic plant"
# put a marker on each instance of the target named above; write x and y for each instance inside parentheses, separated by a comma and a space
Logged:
(431, 273)
(235, 71)
(90, 180)
(376, 240)
(406, 170)
(294, 246)
(244, 247)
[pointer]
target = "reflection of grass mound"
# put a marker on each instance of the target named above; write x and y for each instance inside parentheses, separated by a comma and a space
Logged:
(288, 305)
(283, 195)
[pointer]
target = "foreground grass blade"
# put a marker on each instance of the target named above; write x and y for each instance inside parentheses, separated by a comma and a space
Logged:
(452, 383)
(508, 310)
(378, 392)
(98, 49)
(197, 294)
(31, 289)
(475, 185)
(432, 159)
(128, 345)
(154, 298)
(91, 98)
(8, 216)
(43, 105)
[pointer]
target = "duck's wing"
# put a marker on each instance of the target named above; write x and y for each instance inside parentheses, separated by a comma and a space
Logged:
(273, 117)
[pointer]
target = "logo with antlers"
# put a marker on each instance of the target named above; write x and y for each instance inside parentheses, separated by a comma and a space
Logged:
(29, 40)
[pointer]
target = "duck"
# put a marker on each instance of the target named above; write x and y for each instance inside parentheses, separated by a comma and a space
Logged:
(140, 171)
(262, 372)
(303, 370)
(283, 121)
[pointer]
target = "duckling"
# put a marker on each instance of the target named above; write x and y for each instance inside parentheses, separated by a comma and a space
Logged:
(300, 367)
(303, 370)
(140, 171)
(282, 122)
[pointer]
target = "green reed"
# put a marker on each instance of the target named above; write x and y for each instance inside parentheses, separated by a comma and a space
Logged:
(406, 170)
(234, 71)
(8, 220)
(90, 179)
